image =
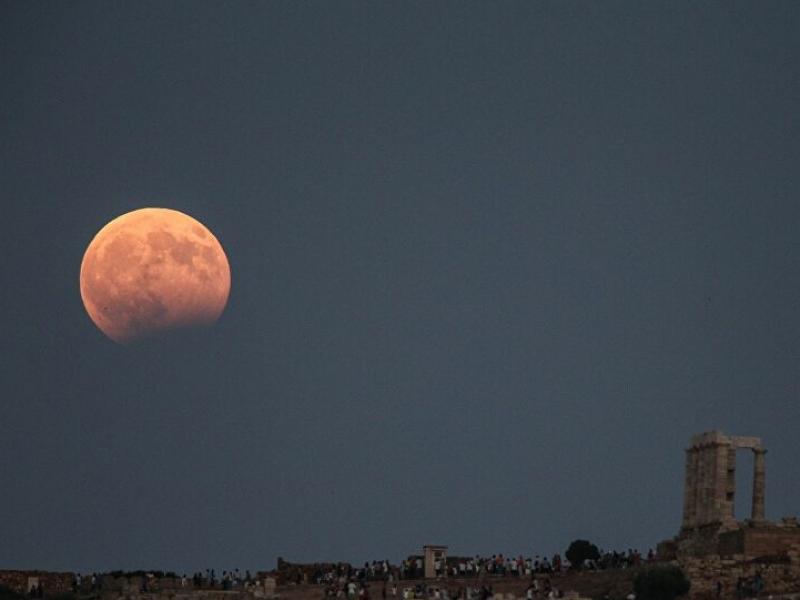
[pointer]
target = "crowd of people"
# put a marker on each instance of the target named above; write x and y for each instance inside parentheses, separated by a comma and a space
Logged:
(344, 581)
(229, 580)
(151, 580)
(381, 580)
(538, 588)
(496, 565)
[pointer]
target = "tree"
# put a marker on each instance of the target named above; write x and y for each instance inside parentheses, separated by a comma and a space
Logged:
(580, 551)
(661, 583)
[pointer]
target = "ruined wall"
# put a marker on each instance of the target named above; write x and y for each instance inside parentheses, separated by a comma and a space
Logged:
(52, 584)
(781, 576)
(185, 595)
(758, 542)
(698, 542)
(288, 572)
(133, 588)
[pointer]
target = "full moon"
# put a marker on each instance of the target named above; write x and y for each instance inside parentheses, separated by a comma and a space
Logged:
(153, 270)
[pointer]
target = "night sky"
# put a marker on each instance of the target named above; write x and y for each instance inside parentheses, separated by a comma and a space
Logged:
(492, 264)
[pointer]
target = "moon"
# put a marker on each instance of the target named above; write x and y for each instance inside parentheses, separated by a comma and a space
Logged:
(153, 270)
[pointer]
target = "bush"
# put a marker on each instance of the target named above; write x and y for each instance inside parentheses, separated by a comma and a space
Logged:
(9, 594)
(580, 551)
(661, 583)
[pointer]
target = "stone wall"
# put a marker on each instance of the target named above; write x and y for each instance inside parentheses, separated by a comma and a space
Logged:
(700, 541)
(755, 547)
(288, 572)
(759, 541)
(781, 575)
(52, 584)
(133, 588)
(254, 593)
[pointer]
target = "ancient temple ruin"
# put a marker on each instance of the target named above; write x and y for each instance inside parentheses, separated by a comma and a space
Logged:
(710, 487)
(712, 546)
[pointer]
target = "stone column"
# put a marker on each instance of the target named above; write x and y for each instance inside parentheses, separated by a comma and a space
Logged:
(720, 482)
(759, 475)
(730, 485)
(690, 489)
(701, 486)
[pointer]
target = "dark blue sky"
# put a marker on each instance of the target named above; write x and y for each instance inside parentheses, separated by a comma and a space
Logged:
(493, 264)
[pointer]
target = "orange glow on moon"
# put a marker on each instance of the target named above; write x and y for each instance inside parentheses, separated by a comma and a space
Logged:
(153, 270)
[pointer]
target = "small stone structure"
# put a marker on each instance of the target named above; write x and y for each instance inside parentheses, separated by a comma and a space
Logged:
(433, 553)
(712, 546)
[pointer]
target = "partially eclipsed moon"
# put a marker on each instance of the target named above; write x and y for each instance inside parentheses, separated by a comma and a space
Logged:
(153, 270)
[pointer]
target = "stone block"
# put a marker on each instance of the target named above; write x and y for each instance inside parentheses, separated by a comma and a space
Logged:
(269, 585)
